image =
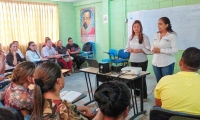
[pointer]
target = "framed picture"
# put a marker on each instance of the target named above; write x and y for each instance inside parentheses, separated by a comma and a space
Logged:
(87, 22)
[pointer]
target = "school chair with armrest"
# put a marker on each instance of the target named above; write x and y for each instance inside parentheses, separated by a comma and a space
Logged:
(158, 113)
(122, 57)
(88, 50)
(112, 53)
(8, 113)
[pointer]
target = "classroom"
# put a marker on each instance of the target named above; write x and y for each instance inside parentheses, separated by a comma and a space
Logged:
(63, 25)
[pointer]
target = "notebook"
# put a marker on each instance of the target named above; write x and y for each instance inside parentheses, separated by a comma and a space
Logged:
(92, 63)
(69, 95)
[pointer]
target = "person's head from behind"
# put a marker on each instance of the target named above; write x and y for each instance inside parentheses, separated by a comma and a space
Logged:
(16, 43)
(190, 60)
(59, 43)
(70, 41)
(137, 30)
(86, 18)
(164, 25)
(113, 99)
(48, 42)
(31, 46)
(23, 74)
(48, 78)
(13, 47)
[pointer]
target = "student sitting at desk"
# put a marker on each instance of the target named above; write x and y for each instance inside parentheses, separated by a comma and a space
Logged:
(13, 58)
(47, 102)
(32, 54)
(18, 94)
(67, 61)
(18, 50)
(74, 51)
(180, 92)
(113, 99)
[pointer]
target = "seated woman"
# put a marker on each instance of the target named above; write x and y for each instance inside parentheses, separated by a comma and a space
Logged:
(113, 99)
(19, 95)
(13, 58)
(67, 62)
(32, 54)
(47, 103)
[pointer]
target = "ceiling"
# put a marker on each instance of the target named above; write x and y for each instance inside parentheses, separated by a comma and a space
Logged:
(67, 0)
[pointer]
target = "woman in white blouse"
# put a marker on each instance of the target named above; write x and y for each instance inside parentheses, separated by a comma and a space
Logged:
(164, 47)
(135, 45)
(32, 54)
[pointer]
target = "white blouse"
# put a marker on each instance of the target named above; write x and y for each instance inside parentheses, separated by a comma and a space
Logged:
(32, 56)
(134, 44)
(168, 47)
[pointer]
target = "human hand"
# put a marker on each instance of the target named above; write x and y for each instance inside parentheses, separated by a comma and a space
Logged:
(137, 50)
(43, 59)
(58, 56)
(14, 53)
(130, 50)
(156, 50)
(87, 112)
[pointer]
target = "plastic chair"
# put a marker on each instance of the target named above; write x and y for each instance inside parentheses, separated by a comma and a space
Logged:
(122, 57)
(8, 113)
(112, 53)
(89, 50)
(157, 113)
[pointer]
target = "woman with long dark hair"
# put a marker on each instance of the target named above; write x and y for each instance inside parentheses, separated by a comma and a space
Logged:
(135, 45)
(164, 47)
(47, 103)
(32, 54)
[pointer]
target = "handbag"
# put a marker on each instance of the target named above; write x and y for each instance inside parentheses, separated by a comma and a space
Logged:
(67, 59)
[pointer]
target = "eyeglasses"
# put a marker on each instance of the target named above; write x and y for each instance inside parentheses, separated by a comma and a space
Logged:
(33, 45)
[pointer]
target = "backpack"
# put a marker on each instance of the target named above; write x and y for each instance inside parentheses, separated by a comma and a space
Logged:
(87, 47)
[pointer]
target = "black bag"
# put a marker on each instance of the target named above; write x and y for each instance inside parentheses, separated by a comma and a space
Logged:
(87, 47)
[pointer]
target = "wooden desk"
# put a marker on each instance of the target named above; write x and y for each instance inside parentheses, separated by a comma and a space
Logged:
(128, 77)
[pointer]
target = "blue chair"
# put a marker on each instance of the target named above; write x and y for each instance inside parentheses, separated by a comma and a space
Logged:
(112, 53)
(89, 50)
(122, 57)
(158, 113)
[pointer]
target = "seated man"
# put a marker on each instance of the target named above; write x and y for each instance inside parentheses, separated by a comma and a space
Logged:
(113, 99)
(49, 52)
(74, 51)
(180, 92)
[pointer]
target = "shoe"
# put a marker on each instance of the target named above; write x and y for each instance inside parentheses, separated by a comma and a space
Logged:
(68, 74)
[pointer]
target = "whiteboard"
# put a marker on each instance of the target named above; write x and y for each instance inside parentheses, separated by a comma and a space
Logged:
(185, 21)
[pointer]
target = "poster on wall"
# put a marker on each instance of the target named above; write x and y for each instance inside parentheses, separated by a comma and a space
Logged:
(87, 20)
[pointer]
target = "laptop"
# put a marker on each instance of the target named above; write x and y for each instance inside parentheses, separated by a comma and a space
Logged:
(92, 63)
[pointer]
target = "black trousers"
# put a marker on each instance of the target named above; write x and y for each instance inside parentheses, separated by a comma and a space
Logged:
(138, 83)
(79, 60)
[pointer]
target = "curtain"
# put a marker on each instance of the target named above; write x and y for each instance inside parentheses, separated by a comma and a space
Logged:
(27, 21)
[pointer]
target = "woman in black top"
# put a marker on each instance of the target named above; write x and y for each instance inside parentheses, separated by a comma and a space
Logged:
(13, 58)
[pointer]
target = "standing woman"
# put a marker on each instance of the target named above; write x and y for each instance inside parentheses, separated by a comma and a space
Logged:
(138, 58)
(164, 47)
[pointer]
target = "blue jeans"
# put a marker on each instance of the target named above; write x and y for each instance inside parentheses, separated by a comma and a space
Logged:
(163, 71)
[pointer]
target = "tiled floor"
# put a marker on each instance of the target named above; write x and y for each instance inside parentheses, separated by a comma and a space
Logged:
(76, 82)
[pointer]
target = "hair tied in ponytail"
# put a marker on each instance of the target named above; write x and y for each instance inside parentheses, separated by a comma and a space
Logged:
(39, 82)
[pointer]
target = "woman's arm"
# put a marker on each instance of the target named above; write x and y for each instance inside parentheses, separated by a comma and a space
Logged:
(14, 58)
(86, 111)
